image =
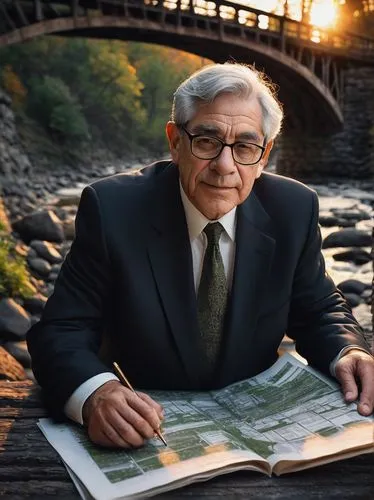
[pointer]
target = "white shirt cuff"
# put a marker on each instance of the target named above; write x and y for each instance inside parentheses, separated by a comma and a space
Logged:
(74, 405)
(341, 354)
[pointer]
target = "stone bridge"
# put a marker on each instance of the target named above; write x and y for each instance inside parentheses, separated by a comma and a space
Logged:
(325, 78)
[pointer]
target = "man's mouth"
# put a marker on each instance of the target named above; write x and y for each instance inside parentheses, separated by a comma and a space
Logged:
(217, 187)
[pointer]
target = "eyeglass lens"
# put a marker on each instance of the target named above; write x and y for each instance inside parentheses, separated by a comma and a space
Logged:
(206, 147)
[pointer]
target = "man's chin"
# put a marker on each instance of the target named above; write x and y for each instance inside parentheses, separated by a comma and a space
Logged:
(215, 209)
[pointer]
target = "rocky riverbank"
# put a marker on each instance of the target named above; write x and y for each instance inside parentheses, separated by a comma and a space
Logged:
(42, 211)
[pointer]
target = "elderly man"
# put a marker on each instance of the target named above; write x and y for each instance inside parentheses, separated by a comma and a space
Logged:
(189, 272)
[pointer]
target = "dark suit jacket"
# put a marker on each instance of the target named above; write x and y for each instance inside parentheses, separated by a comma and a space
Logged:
(128, 279)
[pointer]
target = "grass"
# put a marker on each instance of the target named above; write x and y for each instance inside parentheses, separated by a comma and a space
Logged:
(14, 277)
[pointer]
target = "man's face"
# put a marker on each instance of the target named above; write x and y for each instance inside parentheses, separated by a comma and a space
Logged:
(216, 186)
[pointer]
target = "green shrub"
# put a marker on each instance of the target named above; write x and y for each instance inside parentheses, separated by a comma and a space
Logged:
(67, 120)
(14, 277)
(53, 106)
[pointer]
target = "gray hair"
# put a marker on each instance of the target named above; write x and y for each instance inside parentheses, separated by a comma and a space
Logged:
(209, 82)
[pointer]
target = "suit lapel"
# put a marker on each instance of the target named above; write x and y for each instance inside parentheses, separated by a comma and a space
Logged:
(169, 252)
(254, 253)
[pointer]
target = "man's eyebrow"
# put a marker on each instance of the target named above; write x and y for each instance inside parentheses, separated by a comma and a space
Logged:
(215, 131)
(248, 136)
(205, 129)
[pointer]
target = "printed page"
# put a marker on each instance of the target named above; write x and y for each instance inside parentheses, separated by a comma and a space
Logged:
(197, 449)
(291, 412)
(288, 414)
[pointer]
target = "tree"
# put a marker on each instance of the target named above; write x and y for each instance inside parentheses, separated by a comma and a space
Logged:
(53, 106)
(13, 86)
(161, 70)
(111, 100)
(105, 92)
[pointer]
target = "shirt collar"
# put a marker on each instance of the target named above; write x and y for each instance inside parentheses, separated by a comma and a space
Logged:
(196, 221)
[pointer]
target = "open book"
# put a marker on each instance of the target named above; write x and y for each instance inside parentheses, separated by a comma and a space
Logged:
(283, 420)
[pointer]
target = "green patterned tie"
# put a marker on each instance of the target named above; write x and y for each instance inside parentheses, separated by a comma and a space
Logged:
(212, 298)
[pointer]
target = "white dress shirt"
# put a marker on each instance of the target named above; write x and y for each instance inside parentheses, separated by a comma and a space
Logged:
(196, 222)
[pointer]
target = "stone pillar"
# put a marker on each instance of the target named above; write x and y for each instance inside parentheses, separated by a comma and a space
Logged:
(349, 153)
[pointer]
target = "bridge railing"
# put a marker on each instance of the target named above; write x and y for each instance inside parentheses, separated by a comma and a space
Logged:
(226, 11)
(223, 12)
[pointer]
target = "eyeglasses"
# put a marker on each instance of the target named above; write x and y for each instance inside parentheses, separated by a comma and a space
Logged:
(206, 147)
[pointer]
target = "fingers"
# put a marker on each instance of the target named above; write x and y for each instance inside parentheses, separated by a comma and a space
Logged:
(151, 402)
(345, 374)
(144, 407)
(107, 437)
(366, 375)
(119, 418)
(353, 368)
(141, 417)
(112, 430)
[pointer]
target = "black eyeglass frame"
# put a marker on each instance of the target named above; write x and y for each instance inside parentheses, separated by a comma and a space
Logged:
(223, 144)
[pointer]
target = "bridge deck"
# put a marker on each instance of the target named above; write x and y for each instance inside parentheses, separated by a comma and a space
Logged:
(18, 14)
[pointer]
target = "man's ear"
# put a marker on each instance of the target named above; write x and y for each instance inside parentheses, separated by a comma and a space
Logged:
(174, 139)
(264, 160)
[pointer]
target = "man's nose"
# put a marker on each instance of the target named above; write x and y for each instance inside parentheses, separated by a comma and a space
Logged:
(224, 163)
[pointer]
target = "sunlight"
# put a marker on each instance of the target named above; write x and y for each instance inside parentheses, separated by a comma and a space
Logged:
(323, 14)
(168, 457)
(316, 36)
(263, 22)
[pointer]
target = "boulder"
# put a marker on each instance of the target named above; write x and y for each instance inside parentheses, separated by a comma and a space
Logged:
(42, 225)
(346, 223)
(21, 249)
(69, 196)
(41, 266)
(31, 254)
(19, 351)
(347, 238)
(356, 255)
(363, 315)
(352, 286)
(65, 247)
(56, 268)
(35, 305)
(69, 229)
(34, 320)
(52, 277)
(353, 299)
(328, 220)
(353, 214)
(46, 251)
(14, 320)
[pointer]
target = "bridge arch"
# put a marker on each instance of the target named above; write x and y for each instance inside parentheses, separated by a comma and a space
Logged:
(308, 102)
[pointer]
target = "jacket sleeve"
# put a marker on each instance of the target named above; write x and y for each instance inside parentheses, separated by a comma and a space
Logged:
(64, 345)
(320, 320)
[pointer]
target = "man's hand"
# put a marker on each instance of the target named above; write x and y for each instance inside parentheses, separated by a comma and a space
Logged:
(116, 417)
(357, 367)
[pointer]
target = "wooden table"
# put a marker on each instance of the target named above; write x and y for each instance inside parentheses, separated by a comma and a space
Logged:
(30, 468)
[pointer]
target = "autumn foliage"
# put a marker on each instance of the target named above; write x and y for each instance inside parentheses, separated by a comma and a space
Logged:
(109, 93)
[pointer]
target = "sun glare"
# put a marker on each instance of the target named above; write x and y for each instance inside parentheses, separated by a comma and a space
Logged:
(323, 14)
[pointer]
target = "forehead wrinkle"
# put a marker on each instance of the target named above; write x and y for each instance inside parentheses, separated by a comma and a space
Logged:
(211, 129)
(205, 128)
(248, 136)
